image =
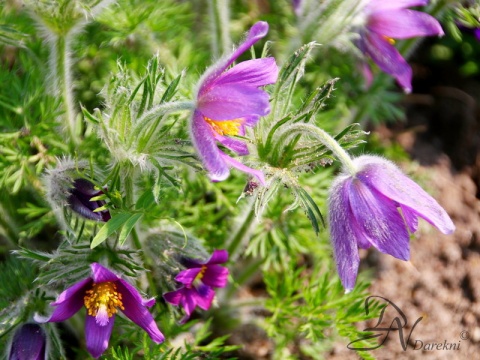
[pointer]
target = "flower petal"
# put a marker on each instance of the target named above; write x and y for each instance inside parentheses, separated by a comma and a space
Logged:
(28, 343)
(96, 336)
(388, 59)
(342, 234)
(207, 149)
(139, 314)
(233, 144)
(380, 5)
(188, 276)
(215, 276)
(188, 301)
(69, 302)
(101, 274)
(410, 217)
(174, 297)
(379, 220)
(257, 32)
(404, 24)
(233, 101)
(203, 296)
(136, 294)
(238, 165)
(255, 73)
(386, 178)
(218, 257)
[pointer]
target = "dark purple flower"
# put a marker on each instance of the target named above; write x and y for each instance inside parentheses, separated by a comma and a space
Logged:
(79, 201)
(227, 102)
(390, 19)
(198, 281)
(377, 206)
(28, 343)
(103, 294)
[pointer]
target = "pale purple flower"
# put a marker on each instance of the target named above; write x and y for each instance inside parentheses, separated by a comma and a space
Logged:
(377, 206)
(227, 102)
(198, 281)
(390, 19)
(79, 201)
(103, 294)
(297, 6)
(29, 343)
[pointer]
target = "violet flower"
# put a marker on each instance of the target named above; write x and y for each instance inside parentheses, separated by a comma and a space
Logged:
(227, 102)
(390, 19)
(79, 201)
(29, 343)
(377, 206)
(198, 281)
(103, 294)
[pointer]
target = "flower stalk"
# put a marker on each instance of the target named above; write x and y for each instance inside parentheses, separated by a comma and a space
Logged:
(219, 13)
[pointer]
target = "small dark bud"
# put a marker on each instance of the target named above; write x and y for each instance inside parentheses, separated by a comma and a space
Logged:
(29, 343)
(79, 201)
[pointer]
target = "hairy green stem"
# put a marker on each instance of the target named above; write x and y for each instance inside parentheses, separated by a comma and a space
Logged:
(219, 13)
(241, 232)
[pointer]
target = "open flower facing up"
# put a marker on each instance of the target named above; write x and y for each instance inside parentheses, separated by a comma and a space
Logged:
(103, 294)
(227, 102)
(377, 206)
(198, 281)
(79, 201)
(390, 19)
(29, 343)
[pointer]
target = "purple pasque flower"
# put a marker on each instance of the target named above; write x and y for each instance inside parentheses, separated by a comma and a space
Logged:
(29, 343)
(227, 102)
(103, 294)
(378, 206)
(390, 19)
(198, 281)
(79, 201)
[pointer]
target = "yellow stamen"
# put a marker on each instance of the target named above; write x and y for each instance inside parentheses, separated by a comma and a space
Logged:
(225, 127)
(201, 273)
(102, 300)
(389, 39)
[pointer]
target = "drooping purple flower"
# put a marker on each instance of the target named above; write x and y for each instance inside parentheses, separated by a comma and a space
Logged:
(198, 281)
(227, 102)
(103, 294)
(390, 19)
(29, 343)
(377, 206)
(79, 201)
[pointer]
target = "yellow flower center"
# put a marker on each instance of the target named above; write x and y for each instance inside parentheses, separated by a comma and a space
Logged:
(389, 39)
(201, 273)
(102, 301)
(225, 127)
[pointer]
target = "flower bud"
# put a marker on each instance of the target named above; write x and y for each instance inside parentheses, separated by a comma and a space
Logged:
(79, 201)
(29, 343)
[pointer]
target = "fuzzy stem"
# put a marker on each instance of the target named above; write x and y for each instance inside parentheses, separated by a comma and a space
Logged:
(219, 13)
(61, 72)
(330, 143)
(241, 232)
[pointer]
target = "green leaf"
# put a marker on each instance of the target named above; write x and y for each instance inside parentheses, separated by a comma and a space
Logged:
(112, 225)
(127, 228)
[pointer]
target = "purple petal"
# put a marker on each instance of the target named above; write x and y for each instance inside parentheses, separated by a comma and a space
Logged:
(386, 178)
(342, 234)
(367, 74)
(255, 73)
(239, 166)
(207, 149)
(233, 101)
(203, 296)
(218, 257)
(188, 276)
(174, 297)
(101, 274)
(139, 314)
(28, 343)
(388, 59)
(96, 336)
(380, 5)
(215, 276)
(404, 24)
(136, 294)
(235, 145)
(188, 302)
(379, 220)
(477, 33)
(257, 32)
(70, 301)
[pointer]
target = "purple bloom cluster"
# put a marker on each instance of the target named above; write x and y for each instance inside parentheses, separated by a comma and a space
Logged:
(377, 206)
(227, 102)
(103, 294)
(198, 281)
(387, 20)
